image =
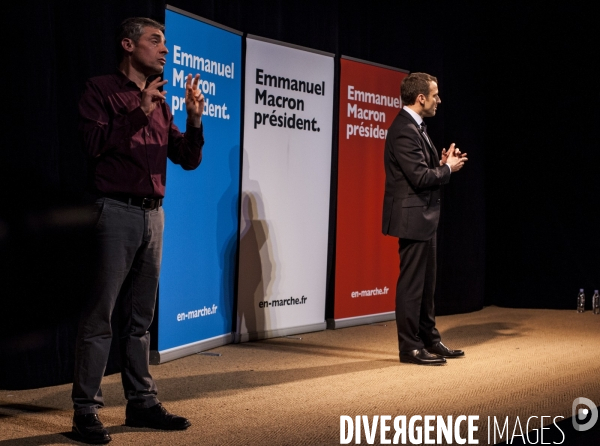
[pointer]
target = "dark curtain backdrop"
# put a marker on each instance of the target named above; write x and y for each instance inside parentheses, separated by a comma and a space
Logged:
(518, 94)
(542, 188)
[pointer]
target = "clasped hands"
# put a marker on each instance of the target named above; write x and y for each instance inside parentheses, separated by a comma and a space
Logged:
(194, 99)
(454, 158)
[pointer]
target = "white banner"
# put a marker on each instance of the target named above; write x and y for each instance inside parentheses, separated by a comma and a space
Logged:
(285, 190)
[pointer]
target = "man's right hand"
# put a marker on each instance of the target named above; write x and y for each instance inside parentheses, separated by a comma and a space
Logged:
(455, 160)
(152, 96)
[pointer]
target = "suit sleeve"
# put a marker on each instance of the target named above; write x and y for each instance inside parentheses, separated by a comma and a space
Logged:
(407, 149)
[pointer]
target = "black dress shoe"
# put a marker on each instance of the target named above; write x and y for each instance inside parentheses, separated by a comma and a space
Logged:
(155, 417)
(90, 429)
(440, 349)
(421, 357)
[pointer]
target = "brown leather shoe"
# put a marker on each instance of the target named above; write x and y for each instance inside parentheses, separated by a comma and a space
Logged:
(155, 417)
(440, 349)
(421, 357)
(90, 429)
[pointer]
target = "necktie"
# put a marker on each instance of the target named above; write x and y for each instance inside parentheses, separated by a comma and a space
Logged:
(424, 132)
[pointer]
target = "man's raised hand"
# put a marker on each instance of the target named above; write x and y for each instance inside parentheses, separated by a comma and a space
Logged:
(194, 100)
(152, 96)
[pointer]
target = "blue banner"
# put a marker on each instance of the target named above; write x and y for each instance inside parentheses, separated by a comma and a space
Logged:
(201, 206)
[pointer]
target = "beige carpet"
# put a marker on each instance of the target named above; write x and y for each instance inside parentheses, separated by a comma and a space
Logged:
(292, 392)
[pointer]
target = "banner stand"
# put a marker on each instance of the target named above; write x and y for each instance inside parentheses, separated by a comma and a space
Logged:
(366, 265)
(286, 168)
(160, 357)
(334, 324)
(287, 331)
(196, 296)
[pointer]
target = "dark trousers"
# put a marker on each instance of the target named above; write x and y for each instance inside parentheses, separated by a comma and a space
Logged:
(128, 255)
(415, 312)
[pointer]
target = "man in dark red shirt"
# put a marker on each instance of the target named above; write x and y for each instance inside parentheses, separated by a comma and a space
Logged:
(128, 132)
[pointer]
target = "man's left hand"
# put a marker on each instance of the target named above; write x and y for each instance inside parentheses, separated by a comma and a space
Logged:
(194, 100)
(445, 155)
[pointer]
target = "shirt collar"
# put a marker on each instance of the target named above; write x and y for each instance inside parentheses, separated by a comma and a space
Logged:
(414, 115)
(124, 80)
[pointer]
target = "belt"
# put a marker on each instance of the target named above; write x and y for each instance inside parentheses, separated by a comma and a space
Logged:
(142, 203)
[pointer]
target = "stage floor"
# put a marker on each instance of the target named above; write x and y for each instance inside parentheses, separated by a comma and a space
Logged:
(288, 391)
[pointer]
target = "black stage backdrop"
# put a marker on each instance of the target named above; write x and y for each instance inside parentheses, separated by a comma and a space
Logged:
(518, 94)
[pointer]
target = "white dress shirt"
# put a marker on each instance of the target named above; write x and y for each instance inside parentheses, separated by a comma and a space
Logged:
(419, 121)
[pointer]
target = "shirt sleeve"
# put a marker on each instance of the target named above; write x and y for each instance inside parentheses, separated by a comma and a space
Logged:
(185, 149)
(102, 128)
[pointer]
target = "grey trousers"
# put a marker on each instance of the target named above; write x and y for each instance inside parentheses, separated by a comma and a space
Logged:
(128, 256)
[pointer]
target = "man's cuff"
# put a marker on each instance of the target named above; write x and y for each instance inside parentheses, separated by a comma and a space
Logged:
(189, 124)
(448, 167)
(194, 133)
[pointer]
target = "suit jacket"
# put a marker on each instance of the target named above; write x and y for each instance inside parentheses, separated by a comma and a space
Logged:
(413, 176)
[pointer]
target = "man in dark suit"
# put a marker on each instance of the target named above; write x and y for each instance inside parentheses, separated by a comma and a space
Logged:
(411, 211)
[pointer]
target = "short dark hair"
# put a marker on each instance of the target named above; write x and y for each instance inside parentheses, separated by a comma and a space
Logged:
(133, 28)
(413, 85)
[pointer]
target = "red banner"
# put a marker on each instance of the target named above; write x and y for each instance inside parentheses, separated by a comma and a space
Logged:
(367, 263)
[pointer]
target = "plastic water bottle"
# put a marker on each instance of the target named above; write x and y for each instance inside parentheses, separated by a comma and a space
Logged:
(581, 301)
(596, 302)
